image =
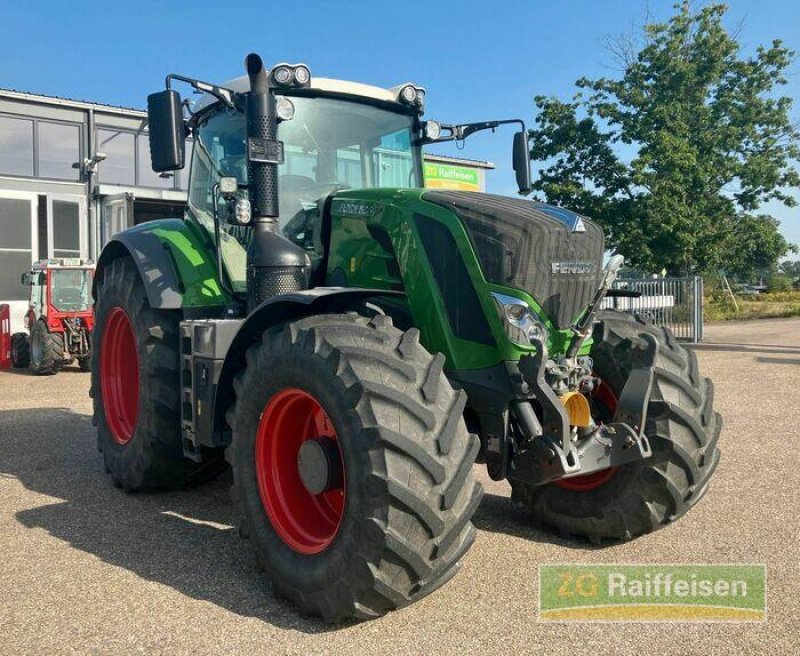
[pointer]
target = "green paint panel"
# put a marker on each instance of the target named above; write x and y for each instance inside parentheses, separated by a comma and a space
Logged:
(374, 243)
(195, 258)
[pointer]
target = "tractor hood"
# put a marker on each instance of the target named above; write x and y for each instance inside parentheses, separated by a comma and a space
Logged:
(551, 253)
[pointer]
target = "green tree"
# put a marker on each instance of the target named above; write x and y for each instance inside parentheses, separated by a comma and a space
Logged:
(755, 248)
(675, 156)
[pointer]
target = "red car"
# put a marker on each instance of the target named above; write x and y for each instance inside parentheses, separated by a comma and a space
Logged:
(59, 318)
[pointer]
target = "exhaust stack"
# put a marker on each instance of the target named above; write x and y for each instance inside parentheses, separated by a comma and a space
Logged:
(274, 264)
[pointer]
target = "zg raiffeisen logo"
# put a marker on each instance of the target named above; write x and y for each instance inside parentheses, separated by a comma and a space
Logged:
(652, 593)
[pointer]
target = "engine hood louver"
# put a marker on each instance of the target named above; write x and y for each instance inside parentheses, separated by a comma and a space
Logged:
(551, 253)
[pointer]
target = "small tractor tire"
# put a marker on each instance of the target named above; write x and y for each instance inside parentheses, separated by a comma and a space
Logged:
(46, 350)
(135, 388)
(20, 350)
(395, 522)
(85, 364)
(682, 428)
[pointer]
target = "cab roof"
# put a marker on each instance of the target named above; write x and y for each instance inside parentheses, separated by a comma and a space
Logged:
(323, 84)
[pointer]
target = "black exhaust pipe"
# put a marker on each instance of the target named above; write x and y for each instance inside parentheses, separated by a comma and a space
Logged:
(274, 264)
(262, 130)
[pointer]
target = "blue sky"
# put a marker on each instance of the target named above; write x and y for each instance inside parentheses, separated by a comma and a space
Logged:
(478, 59)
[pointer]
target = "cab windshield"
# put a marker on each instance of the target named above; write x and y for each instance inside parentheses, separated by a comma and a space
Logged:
(329, 145)
(70, 289)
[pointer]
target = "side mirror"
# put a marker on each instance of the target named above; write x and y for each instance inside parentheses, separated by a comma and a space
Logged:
(26, 279)
(522, 162)
(167, 132)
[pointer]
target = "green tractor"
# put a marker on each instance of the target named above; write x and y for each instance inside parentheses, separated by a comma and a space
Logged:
(350, 343)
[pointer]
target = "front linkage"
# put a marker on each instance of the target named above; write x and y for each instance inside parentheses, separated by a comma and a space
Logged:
(548, 451)
(567, 442)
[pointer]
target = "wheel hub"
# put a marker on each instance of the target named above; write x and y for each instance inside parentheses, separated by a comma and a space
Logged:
(300, 471)
(319, 465)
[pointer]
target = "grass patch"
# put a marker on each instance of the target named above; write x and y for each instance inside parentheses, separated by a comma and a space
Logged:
(774, 305)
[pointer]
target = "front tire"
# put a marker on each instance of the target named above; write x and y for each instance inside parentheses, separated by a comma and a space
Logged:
(47, 350)
(682, 428)
(396, 522)
(135, 387)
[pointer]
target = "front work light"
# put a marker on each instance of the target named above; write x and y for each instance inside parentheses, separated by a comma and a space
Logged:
(521, 324)
(284, 108)
(410, 94)
(432, 130)
(290, 76)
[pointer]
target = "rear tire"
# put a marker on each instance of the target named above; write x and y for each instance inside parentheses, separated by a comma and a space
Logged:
(682, 428)
(46, 350)
(138, 425)
(407, 493)
(20, 350)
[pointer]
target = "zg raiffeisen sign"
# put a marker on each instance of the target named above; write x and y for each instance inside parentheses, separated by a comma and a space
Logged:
(450, 176)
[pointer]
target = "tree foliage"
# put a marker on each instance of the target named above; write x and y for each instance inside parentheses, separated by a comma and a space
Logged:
(674, 158)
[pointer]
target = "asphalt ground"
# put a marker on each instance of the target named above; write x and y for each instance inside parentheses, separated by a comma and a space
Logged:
(88, 569)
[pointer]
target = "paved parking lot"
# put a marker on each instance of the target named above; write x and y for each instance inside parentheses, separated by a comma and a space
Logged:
(88, 569)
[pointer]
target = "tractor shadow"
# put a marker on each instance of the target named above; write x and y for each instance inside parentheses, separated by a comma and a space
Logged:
(499, 514)
(186, 540)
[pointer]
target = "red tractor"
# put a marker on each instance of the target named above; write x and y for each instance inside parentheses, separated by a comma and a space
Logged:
(59, 318)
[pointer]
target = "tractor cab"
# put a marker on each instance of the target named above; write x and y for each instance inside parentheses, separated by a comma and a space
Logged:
(59, 317)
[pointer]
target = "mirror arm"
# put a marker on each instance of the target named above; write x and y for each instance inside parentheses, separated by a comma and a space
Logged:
(221, 93)
(461, 132)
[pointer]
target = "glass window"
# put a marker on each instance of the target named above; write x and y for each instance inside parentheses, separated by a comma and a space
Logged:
(15, 223)
(395, 167)
(66, 229)
(59, 149)
(329, 145)
(119, 167)
(15, 247)
(16, 146)
(71, 289)
(348, 166)
(12, 265)
(147, 176)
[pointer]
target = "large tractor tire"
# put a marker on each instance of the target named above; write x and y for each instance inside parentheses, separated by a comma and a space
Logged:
(682, 428)
(136, 388)
(352, 465)
(47, 350)
(20, 350)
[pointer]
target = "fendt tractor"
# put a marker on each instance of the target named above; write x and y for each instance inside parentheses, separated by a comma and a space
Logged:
(350, 343)
(59, 317)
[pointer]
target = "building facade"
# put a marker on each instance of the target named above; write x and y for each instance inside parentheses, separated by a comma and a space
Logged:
(74, 173)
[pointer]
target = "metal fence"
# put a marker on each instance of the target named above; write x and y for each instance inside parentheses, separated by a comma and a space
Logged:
(673, 302)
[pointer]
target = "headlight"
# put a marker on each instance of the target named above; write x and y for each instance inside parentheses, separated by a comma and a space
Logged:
(284, 108)
(521, 324)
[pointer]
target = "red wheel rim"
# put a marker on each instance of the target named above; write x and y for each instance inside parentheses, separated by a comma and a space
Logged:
(306, 522)
(605, 395)
(119, 376)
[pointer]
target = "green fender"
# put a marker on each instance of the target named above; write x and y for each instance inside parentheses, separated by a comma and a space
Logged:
(176, 262)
